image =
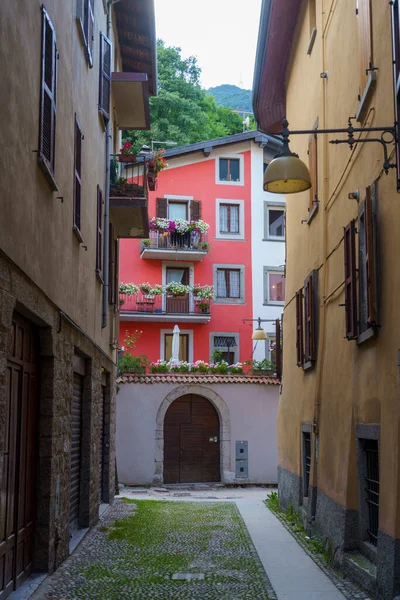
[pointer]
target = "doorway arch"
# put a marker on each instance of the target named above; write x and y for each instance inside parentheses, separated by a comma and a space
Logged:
(227, 475)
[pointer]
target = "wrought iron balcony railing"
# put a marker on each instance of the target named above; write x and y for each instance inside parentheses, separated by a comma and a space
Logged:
(190, 241)
(128, 176)
(167, 304)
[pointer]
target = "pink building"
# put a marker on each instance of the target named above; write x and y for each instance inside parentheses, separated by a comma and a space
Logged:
(220, 183)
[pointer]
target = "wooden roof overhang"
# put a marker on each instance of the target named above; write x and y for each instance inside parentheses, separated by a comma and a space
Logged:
(136, 29)
(277, 26)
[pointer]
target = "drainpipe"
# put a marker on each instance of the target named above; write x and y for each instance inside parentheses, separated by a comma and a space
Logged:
(106, 243)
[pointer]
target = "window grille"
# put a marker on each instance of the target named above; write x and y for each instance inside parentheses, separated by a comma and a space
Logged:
(372, 488)
(307, 462)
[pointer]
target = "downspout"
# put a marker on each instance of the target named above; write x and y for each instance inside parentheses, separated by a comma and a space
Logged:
(106, 244)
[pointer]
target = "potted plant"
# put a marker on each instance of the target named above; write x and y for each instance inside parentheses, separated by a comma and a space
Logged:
(157, 290)
(204, 246)
(201, 366)
(129, 363)
(129, 289)
(177, 289)
(126, 153)
(236, 369)
(160, 366)
(146, 243)
(145, 288)
(263, 367)
(220, 367)
(204, 306)
(155, 164)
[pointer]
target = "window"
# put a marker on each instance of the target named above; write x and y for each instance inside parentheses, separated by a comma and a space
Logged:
(105, 77)
(274, 286)
(274, 222)
(310, 304)
(299, 328)
(99, 234)
(178, 208)
(313, 168)
(395, 7)
(367, 69)
(368, 317)
(183, 346)
(350, 280)
(270, 348)
(228, 283)
(224, 346)
(77, 179)
(230, 170)
(113, 267)
(85, 17)
(368, 471)
(306, 459)
(48, 100)
(279, 347)
(312, 11)
(230, 219)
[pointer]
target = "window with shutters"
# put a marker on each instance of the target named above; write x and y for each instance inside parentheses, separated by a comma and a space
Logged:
(113, 267)
(230, 169)
(313, 168)
(48, 100)
(367, 69)
(310, 319)
(274, 285)
(178, 207)
(299, 328)
(367, 252)
(85, 18)
(99, 234)
(77, 224)
(229, 284)
(312, 19)
(279, 347)
(105, 77)
(230, 219)
(350, 280)
(395, 8)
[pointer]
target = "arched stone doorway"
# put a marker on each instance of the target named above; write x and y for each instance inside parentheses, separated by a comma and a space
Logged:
(191, 441)
(224, 439)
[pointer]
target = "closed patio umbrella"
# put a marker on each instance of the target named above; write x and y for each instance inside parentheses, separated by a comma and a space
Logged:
(175, 346)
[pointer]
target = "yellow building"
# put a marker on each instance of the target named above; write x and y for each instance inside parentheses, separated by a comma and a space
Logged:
(319, 63)
(73, 74)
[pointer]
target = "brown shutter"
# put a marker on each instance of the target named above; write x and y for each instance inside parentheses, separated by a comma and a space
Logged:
(395, 8)
(370, 259)
(99, 236)
(77, 175)
(88, 25)
(365, 40)
(111, 264)
(195, 210)
(161, 208)
(116, 272)
(299, 328)
(48, 95)
(312, 157)
(105, 76)
(309, 318)
(278, 353)
(350, 280)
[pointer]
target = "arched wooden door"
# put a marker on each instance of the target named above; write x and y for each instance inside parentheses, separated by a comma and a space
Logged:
(191, 441)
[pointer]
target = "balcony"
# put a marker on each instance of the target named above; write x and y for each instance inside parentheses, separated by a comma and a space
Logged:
(166, 308)
(191, 246)
(128, 196)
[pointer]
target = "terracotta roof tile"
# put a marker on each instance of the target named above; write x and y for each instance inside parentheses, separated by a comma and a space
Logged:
(202, 379)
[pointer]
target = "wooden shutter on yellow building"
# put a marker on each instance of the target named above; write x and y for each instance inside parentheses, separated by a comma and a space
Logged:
(350, 280)
(299, 329)
(365, 40)
(310, 302)
(313, 167)
(370, 260)
(105, 76)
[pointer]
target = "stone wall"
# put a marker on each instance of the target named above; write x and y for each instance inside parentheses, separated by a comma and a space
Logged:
(59, 341)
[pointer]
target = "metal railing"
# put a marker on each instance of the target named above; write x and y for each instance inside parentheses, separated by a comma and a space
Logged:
(128, 179)
(372, 488)
(192, 241)
(164, 305)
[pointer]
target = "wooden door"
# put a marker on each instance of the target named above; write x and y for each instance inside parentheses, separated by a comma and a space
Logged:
(17, 516)
(191, 441)
(76, 458)
(177, 304)
(101, 442)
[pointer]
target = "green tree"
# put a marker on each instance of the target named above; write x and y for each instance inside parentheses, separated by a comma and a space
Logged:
(183, 112)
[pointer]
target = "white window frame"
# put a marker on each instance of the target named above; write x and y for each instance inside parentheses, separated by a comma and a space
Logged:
(271, 339)
(229, 236)
(181, 199)
(267, 207)
(236, 350)
(240, 157)
(240, 300)
(267, 272)
(188, 332)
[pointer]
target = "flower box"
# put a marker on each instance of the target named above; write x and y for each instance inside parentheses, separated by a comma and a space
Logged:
(127, 158)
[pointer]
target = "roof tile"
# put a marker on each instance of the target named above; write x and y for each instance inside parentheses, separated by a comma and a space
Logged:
(203, 379)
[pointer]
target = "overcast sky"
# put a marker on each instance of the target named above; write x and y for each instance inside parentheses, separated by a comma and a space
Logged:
(221, 33)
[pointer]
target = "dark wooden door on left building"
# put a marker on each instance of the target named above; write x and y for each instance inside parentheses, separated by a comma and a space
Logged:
(17, 505)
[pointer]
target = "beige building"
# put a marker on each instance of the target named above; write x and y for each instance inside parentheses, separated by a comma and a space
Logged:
(320, 62)
(73, 75)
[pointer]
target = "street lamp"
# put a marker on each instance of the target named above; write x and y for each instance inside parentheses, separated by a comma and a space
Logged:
(259, 333)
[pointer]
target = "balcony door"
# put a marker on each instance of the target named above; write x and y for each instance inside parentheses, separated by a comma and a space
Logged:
(177, 304)
(183, 347)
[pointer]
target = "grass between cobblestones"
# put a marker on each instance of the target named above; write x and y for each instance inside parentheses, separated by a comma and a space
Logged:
(136, 556)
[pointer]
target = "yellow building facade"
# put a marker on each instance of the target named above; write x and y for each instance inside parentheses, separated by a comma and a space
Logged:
(320, 62)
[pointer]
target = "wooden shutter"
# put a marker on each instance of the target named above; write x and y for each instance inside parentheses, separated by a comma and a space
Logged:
(365, 40)
(111, 265)
(395, 8)
(99, 232)
(77, 175)
(312, 157)
(116, 272)
(48, 95)
(195, 210)
(309, 318)
(299, 329)
(370, 259)
(105, 76)
(278, 352)
(85, 17)
(161, 208)
(350, 280)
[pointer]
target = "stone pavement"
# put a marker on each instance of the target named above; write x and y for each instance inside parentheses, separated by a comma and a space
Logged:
(292, 574)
